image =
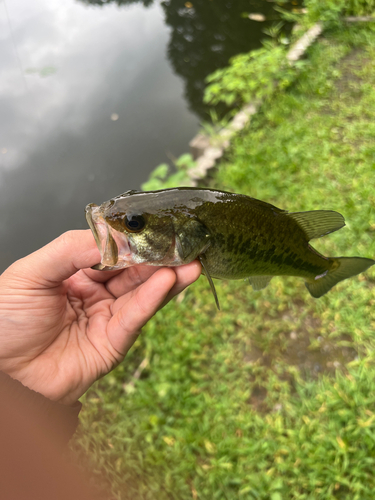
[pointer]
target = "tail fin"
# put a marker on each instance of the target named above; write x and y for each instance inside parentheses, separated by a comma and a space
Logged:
(343, 267)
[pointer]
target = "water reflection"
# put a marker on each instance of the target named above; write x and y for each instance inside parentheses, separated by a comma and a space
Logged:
(68, 68)
(206, 34)
(65, 68)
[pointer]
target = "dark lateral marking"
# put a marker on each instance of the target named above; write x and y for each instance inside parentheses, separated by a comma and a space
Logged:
(252, 251)
(296, 262)
(288, 260)
(277, 259)
(245, 246)
(268, 256)
(230, 243)
(219, 239)
(236, 249)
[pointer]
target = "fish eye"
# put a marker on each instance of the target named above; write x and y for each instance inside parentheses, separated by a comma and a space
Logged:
(134, 223)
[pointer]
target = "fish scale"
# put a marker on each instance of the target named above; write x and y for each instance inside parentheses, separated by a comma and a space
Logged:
(259, 254)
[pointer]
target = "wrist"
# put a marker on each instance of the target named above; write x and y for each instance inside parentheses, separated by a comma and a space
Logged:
(59, 419)
(49, 389)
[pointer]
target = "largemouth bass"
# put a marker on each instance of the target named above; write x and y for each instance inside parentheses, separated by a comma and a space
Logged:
(234, 236)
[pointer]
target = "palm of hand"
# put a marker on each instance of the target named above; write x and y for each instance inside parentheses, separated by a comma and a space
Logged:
(58, 339)
(67, 337)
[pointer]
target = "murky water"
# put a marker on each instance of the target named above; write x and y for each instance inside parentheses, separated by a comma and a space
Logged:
(94, 94)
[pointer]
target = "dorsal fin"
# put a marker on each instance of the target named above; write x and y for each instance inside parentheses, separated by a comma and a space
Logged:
(317, 223)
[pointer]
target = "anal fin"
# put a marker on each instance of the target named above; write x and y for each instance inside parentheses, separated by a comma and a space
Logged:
(259, 282)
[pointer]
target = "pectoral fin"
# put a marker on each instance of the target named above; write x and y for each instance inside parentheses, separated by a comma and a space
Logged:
(202, 260)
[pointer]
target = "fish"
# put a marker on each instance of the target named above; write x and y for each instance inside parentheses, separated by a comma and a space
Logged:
(233, 236)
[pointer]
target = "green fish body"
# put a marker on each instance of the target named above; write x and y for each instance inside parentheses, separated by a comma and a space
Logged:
(234, 236)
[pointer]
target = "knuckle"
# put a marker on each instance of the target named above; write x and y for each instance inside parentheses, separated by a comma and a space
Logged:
(135, 276)
(143, 308)
(123, 321)
(66, 238)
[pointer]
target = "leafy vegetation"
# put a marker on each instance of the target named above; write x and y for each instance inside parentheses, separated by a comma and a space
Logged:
(256, 74)
(330, 12)
(162, 177)
(273, 397)
(251, 76)
(326, 10)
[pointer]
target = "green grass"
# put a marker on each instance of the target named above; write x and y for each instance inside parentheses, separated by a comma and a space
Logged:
(272, 398)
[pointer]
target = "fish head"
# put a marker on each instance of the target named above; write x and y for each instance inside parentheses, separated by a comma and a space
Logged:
(128, 232)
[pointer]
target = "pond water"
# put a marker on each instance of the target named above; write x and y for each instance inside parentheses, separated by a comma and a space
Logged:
(94, 94)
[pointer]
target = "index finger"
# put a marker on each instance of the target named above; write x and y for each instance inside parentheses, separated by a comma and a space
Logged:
(60, 259)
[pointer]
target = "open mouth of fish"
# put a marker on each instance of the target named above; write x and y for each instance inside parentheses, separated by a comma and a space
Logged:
(113, 246)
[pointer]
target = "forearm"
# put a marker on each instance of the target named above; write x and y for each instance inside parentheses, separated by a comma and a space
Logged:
(58, 421)
(34, 432)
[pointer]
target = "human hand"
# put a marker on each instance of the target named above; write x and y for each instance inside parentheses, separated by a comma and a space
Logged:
(63, 326)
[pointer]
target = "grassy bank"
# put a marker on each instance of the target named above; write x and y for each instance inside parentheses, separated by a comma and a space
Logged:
(273, 397)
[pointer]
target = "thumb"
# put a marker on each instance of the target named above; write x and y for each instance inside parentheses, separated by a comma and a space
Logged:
(59, 259)
(134, 310)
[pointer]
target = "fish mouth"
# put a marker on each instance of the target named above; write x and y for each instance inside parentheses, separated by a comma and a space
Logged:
(113, 246)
